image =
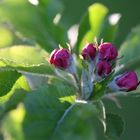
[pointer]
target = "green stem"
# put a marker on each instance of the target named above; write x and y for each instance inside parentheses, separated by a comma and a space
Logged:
(78, 84)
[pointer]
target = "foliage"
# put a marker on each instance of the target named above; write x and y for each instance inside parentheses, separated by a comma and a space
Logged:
(35, 102)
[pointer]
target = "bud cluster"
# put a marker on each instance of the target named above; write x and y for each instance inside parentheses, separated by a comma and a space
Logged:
(99, 61)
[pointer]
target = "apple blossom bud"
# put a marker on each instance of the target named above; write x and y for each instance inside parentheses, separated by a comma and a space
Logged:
(51, 60)
(89, 52)
(107, 51)
(103, 68)
(125, 82)
(60, 58)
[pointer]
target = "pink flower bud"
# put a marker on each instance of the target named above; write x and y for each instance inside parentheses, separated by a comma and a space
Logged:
(127, 81)
(51, 60)
(107, 51)
(89, 52)
(60, 58)
(103, 68)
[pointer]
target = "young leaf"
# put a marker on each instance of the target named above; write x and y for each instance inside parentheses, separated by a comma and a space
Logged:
(91, 24)
(99, 88)
(114, 126)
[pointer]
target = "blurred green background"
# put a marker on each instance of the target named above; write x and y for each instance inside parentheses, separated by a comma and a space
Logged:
(129, 9)
(72, 14)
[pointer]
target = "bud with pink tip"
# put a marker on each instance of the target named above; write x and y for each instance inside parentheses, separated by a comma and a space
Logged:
(60, 58)
(125, 82)
(89, 51)
(107, 51)
(51, 60)
(103, 68)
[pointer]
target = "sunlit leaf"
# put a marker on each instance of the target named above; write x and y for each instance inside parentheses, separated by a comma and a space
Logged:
(25, 59)
(26, 55)
(12, 98)
(6, 38)
(36, 22)
(91, 24)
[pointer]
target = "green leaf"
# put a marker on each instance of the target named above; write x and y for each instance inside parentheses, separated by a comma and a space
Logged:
(6, 37)
(37, 22)
(109, 28)
(22, 54)
(91, 24)
(11, 37)
(130, 50)
(99, 88)
(11, 124)
(43, 110)
(79, 124)
(15, 95)
(36, 80)
(52, 7)
(7, 80)
(36, 75)
(25, 59)
(46, 68)
(115, 126)
(11, 100)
